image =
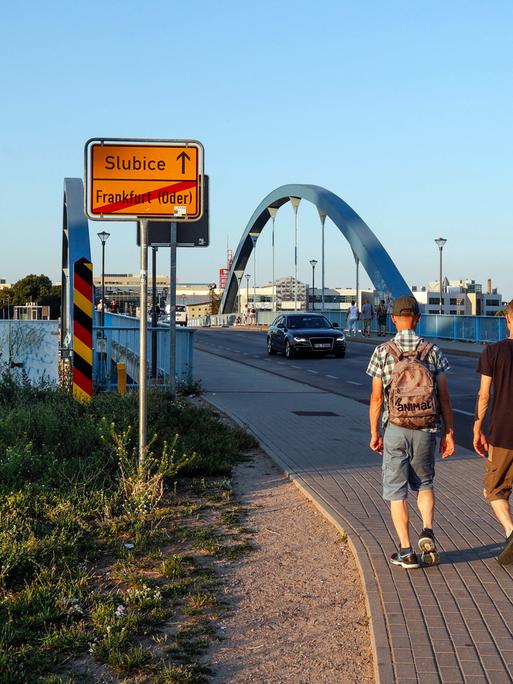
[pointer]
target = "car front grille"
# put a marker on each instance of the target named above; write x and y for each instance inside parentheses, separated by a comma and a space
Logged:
(319, 342)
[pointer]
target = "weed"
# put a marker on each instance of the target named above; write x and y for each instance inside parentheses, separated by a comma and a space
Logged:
(177, 566)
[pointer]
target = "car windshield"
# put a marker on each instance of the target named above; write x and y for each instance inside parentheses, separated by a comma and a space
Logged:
(308, 322)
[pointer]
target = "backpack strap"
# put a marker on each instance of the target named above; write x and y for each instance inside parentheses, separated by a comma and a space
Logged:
(423, 349)
(393, 349)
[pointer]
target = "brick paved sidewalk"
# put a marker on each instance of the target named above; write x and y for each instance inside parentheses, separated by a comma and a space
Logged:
(450, 623)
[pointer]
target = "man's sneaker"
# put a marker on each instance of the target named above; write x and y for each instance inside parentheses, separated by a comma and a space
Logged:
(427, 545)
(408, 561)
(505, 557)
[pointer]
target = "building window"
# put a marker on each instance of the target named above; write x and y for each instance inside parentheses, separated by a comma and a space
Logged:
(434, 301)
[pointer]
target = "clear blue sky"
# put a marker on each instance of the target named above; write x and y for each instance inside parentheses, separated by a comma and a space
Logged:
(404, 109)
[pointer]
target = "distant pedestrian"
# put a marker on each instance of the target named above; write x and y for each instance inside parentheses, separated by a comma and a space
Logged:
(409, 386)
(367, 315)
(352, 318)
(496, 369)
(114, 306)
(381, 313)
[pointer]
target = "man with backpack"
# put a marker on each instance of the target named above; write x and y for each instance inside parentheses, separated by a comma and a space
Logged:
(409, 387)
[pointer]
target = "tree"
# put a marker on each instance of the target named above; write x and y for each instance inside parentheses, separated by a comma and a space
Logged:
(37, 289)
(31, 288)
(53, 300)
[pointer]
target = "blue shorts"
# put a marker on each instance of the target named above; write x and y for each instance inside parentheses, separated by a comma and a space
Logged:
(408, 460)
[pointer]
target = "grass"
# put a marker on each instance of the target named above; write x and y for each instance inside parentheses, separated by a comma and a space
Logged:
(97, 559)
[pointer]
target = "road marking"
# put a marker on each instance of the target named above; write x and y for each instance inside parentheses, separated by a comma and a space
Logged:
(334, 377)
(245, 353)
(312, 371)
(352, 382)
(465, 413)
(282, 363)
(298, 367)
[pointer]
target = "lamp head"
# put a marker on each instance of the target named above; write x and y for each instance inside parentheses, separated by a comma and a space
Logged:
(440, 242)
(103, 236)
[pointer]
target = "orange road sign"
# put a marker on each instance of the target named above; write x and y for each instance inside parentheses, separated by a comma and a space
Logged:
(144, 179)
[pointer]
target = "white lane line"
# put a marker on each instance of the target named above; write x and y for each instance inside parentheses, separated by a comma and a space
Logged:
(352, 382)
(312, 371)
(465, 413)
(297, 367)
(282, 363)
(333, 377)
(245, 353)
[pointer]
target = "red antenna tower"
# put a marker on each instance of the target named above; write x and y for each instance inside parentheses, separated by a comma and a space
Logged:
(224, 272)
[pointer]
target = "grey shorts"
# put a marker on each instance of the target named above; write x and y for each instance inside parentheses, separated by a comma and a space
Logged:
(408, 460)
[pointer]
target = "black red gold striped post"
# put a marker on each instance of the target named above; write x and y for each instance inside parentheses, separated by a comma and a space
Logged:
(83, 330)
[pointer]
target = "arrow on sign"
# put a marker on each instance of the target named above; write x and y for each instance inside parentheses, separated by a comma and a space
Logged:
(183, 156)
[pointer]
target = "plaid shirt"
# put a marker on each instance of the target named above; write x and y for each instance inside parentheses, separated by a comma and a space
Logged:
(382, 364)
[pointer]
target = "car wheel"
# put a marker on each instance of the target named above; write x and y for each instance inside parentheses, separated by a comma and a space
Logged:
(340, 354)
(270, 350)
(289, 352)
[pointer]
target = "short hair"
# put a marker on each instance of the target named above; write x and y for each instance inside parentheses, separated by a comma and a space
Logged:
(510, 308)
(352, 302)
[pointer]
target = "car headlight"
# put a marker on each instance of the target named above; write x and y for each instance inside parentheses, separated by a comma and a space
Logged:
(299, 339)
(340, 339)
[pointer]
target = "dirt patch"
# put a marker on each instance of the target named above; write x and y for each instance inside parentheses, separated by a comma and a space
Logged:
(296, 609)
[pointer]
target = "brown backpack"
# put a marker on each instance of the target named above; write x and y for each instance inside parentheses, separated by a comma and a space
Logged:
(412, 392)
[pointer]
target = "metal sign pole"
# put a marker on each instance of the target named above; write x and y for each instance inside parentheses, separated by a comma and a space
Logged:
(172, 309)
(143, 322)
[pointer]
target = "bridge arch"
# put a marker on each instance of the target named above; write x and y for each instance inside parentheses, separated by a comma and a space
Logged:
(367, 248)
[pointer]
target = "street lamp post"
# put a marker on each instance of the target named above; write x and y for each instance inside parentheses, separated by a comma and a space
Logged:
(239, 307)
(313, 264)
(322, 216)
(441, 242)
(103, 237)
(273, 211)
(357, 264)
(295, 206)
(248, 276)
(254, 241)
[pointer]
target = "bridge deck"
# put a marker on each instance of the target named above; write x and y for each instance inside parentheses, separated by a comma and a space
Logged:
(451, 623)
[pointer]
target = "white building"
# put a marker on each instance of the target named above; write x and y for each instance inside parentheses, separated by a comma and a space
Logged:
(462, 297)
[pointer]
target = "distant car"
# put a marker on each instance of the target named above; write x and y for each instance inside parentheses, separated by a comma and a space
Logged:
(311, 333)
(180, 315)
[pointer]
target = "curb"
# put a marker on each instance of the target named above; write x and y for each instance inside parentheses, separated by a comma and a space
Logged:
(382, 656)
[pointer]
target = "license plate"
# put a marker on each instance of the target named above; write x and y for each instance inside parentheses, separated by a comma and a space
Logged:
(322, 346)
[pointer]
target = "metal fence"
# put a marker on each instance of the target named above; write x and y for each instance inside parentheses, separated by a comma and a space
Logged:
(121, 345)
(442, 326)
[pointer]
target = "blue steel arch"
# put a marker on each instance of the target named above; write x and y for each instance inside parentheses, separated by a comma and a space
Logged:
(75, 246)
(367, 248)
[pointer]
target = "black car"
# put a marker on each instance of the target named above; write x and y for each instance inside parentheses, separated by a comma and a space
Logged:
(312, 333)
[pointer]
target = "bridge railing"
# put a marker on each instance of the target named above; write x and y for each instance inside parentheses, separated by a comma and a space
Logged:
(441, 326)
(121, 345)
